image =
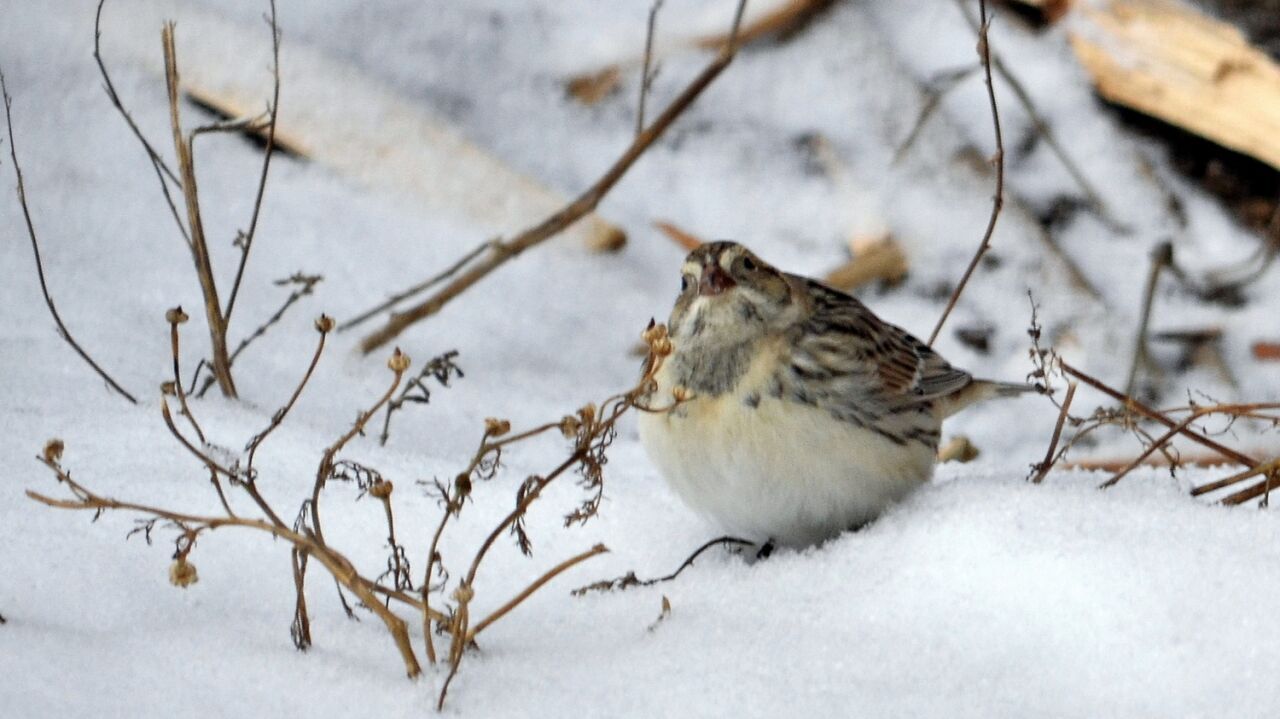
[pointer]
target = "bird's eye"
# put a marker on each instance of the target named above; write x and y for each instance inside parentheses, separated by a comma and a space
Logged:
(748, 264)
(684, 283)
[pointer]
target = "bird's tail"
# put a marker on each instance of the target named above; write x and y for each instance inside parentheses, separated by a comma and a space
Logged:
(981, 390)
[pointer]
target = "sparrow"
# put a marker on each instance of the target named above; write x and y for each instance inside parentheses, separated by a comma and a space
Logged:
(800, 413)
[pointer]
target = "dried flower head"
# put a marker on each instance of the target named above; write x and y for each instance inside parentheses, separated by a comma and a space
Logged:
(324, 324)
(588, 414)
(399, 361)
(53, 450)
(175, 316)
(463, 485)
(382, 489)
(463, 594)
(656, 337)
(496, 427)
(182, 573)
(569, 426)
(653, 332)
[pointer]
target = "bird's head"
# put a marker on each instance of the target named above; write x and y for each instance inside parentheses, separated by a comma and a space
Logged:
(728, 295)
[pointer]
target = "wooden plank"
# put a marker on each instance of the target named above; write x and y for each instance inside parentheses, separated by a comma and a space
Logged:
(1170, 62)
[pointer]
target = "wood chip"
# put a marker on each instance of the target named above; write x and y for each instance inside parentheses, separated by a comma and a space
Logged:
(958, 449)
(688, 241)
(1266, 351)
(1173, 63)
(875, 258)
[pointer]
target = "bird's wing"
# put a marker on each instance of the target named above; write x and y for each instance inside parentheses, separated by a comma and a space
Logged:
(846, 360)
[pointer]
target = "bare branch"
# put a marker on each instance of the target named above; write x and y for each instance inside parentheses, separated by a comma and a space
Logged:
(246, 242)
(163, 173)
(647, 73)
(199, 248)
(35, 249)
(501, 252)
(997, 202)
(1049, 458)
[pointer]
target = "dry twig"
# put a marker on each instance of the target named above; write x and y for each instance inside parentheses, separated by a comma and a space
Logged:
(63, 332)
(997, 201)
(1050, 458)
(498, 252)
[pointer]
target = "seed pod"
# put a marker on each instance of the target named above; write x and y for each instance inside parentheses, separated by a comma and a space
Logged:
(463, 484)
(182, 573)
(399, 361)
(175, 316)
(382, 489)
(53, 450)
(569, 426)
(324, 324)
(496, 427)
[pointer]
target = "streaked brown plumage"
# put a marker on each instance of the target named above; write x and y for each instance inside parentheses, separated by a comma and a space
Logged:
(809, 413)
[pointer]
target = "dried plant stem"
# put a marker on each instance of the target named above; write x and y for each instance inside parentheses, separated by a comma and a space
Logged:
(1261, 489)
(1043, 128)
(630, 579)
(423, 286)
(997, 202)
(220, 361)
(1151, 448)
(500, 252)
(537, 584)
(326, 461)
(323, 325)
(1049, 457)
(646, 71)
(337, 565)
(176, 317)
(307, 282)
(1265, 467)
(246, 241)
(63, 332)
(1149, 413)
(163, 173)
(1161, 258)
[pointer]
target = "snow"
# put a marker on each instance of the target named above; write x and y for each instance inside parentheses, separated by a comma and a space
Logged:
(979, 596)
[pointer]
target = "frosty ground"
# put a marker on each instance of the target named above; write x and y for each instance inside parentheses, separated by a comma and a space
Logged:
(979, 596)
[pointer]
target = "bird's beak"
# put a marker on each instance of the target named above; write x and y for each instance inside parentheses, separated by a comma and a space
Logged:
(714, 281)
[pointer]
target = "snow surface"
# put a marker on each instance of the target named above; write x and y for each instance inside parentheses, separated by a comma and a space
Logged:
(980, 596)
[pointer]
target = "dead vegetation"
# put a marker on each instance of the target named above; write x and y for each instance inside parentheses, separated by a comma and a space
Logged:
(436, 599)
(436, 603)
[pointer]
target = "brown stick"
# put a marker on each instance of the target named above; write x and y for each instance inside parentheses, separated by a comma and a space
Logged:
(35, 249)
(1161, 258)
(176, 317)
(646, 69)
(163, 173)
(997, 202)
(515, 601)
(1235, 478)
(1151, 448)
(1261, 489)
(500, 252)
(247, 240)
(1144, 410)
(221, 363)
(1047, 464)
(1045, 131)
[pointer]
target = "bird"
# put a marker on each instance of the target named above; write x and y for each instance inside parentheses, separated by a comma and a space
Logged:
(798, 413)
